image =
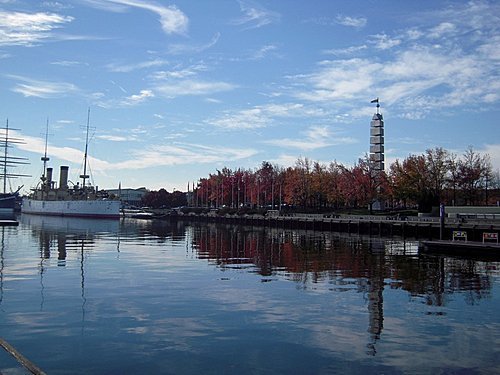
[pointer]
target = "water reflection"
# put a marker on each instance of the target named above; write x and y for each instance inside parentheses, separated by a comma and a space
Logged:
(344, 262)
(157, 295)
(310, 257)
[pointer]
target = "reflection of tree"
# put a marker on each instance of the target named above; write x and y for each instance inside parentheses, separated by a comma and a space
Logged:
(312, 257)
(343, 263)
(435, 278)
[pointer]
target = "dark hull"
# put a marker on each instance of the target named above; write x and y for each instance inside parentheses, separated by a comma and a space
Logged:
(7, 202)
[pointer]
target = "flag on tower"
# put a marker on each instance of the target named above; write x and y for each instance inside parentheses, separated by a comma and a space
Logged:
(374, 101)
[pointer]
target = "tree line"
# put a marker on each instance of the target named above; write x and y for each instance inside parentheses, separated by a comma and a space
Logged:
(419, 181)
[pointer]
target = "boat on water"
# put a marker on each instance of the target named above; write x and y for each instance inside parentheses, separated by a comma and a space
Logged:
(8, 199)
(136, 214)
(84, 200)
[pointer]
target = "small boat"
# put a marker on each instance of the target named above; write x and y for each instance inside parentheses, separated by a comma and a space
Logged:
(136, 214)
(78, 200)
(8, 199)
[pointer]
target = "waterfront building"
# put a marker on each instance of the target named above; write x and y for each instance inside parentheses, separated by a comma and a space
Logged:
(128, 196)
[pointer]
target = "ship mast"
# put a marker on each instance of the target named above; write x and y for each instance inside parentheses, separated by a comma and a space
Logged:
(7, 161)
(84, 176)
(5, 157)
(44, 158)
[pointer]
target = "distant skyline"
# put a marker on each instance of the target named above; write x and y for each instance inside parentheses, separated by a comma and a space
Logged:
(180, 89)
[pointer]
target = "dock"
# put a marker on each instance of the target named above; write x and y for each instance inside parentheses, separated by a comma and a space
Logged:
(8, 223)
(408, 227)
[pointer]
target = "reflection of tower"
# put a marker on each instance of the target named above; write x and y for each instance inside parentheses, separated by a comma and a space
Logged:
(375, 294)
(377, 151)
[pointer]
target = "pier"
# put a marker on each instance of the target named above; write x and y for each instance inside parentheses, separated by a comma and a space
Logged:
(427, 228)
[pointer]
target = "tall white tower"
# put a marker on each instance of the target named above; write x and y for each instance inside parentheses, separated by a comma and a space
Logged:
(377, 155)
(377, 139)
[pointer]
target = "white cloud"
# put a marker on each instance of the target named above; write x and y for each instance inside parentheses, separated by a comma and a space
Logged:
(315, 137)
(441, 30)
(383, 41)
(285, 160)
(341, 80)
(191, 87)
(489, 48)
(358, 22)
(115, 138)
(182, 154)
(345, 51)
(37, 145)
(68, 63)
(138, 98)
(178, 73)
(255, 16)
(56, 5)
(127, 101)
(260, 116)
(263, 52)
(150, 157)
(173, 20)
(458, 67)
(244, 119)
(42, 89)
(177, 49)
(493, 150)
(126, 68)
(17, 28)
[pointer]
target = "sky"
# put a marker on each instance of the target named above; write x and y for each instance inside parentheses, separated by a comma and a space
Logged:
(179, 89)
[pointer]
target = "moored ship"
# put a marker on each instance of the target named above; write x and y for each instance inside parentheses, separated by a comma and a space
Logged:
(77, 201)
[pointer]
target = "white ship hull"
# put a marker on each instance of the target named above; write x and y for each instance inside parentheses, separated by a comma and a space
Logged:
(107, 209)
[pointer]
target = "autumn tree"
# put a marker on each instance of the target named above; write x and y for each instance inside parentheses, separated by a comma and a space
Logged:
(411, 181)
(319, 178)
(437, 168)
(473, 171)
(333, 191)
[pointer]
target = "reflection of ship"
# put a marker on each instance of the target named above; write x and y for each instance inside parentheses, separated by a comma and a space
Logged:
(74, 225)
(77, 201)
(8, 199)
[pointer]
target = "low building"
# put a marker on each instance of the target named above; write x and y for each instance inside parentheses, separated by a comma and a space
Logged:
(131, 197)
(473, 212)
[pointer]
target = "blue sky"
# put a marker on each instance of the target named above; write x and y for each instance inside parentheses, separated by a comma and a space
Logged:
(179, 89)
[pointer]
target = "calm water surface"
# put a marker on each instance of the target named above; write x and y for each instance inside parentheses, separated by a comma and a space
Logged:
(135, 297)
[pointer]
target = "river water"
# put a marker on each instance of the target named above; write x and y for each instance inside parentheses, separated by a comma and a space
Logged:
(142, 297)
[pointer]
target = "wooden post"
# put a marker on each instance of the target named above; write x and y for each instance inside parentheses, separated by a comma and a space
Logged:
(20, 358)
